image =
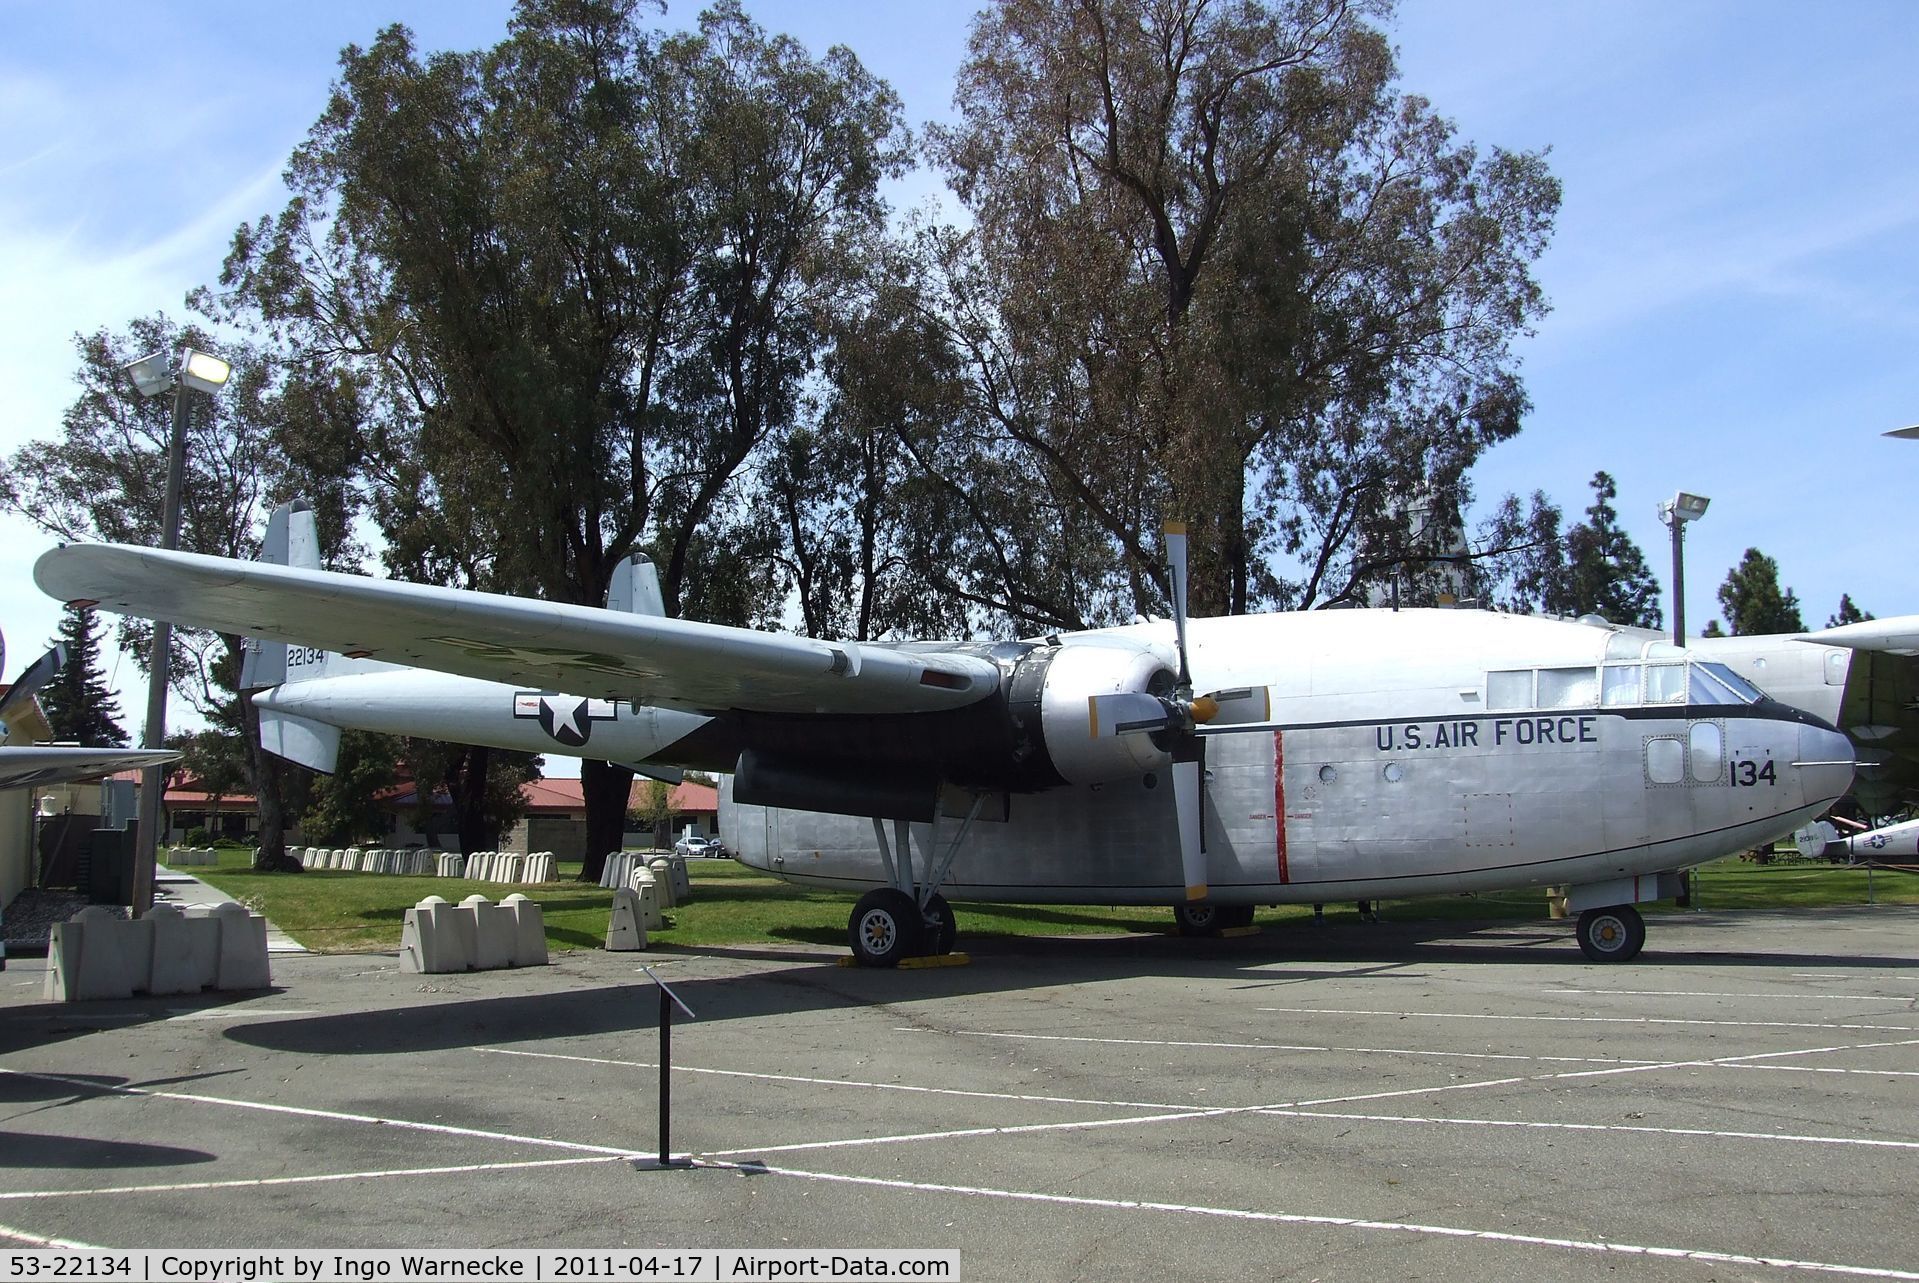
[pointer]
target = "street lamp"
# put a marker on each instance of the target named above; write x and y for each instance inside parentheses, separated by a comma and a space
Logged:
(152, 375)
(1676, 512)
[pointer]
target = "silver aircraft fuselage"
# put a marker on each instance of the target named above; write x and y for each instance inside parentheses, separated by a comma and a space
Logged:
(1407, 753)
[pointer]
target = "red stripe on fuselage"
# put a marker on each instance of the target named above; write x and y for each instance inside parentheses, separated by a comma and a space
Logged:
(1279, 797)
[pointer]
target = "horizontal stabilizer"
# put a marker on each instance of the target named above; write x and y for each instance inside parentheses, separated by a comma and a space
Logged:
(314, 745)
(1896, 636)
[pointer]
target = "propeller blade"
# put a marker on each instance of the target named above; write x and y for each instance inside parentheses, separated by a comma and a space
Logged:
(1176, 575)
(38, 674)
(1192, 838)
(1124, 713)
(1244, 705)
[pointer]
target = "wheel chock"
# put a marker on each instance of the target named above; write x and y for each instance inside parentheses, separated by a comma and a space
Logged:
(1234, 933)
(921, 964)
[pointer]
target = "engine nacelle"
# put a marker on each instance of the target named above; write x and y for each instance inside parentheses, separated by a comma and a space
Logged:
(1077, 672)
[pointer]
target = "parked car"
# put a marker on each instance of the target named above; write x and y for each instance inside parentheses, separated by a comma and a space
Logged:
(712, 848)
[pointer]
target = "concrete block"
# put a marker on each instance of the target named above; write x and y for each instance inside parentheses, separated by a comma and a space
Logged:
(87, 958)
(185, 951)
(626, 929)
(661, 868)
(437, 938)
(492, 933)
(682, 884)
(241, 960)
(529, 930)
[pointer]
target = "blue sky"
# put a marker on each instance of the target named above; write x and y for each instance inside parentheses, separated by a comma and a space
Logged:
(1734, 278)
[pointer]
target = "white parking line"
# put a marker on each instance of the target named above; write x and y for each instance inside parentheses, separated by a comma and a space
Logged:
(34, 1240)
(1825, 1069)
(1585, 1020)
(321, 1179)
(834, 1082)
(1346, 1222)
(1690, 993)
(1526, 1124)
(1282, 1046)
(331, 1114)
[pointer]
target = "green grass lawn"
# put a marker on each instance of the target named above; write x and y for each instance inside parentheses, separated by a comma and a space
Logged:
(337, 912)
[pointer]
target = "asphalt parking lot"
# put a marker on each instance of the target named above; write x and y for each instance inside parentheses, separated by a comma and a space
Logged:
(1343, 1102)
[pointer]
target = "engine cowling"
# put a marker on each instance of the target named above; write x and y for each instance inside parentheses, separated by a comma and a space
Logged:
(1077, 672)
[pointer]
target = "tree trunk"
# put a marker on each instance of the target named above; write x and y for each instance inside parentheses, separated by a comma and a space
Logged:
(606, 789)
(469, 800)
(267, 776)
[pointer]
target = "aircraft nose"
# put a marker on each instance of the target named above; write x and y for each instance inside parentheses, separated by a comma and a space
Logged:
(1825, 764)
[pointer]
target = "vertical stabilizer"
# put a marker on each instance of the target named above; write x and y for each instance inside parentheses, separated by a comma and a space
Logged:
(292, 539)
(635, 589)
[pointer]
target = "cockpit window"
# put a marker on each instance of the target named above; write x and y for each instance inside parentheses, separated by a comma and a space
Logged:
(1665, 683)
(1621, 686)
(1747, 692)
(1706, 688)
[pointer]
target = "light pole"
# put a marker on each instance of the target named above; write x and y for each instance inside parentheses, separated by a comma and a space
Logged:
(196, 372)
(1676, 512)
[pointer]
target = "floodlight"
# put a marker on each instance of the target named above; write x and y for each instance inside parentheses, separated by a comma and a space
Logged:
(152, 374)
(1689, 507)
(205, 372)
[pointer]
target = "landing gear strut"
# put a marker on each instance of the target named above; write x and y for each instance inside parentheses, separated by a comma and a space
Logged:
(910, 918)
(1613, 934)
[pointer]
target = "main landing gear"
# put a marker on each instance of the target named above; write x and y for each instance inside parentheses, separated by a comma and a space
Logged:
(910, 918)
(1613, 934)
(1207, 919)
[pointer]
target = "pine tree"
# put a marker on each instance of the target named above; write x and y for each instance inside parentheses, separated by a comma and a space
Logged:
(1753, 601)
(77, 702)
(1848, 613)
(1605, 571)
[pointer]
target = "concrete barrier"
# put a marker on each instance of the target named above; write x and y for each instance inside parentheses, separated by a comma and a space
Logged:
(529, 931)
(98, 954)
(492, 933)
(436, 938)
(626, 929)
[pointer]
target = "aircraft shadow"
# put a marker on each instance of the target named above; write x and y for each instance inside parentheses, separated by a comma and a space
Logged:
(813, 981)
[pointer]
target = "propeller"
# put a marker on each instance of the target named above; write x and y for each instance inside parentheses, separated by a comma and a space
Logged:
(38, 674)
(1175, 720)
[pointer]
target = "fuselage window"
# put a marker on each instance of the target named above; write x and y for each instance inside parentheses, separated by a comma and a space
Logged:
(1568, 687)
(1666, 761)
(1513, 689)
(1708, 744)
(1665, 683)
(1621, 687)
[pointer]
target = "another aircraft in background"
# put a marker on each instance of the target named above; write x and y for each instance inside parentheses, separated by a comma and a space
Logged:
(1339, 755)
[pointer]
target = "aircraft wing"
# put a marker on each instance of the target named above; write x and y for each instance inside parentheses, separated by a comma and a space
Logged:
(1897, 636)
(26, 767)
(578, 649)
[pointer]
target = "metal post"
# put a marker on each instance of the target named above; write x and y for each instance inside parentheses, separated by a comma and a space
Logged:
(666, 1076)
(668, 1001)
(153, 779)
(1678, 581)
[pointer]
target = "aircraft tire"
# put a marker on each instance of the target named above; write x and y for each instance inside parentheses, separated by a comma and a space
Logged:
(942, 927)
(1202, 919)
(1614, 934)
(885, 927)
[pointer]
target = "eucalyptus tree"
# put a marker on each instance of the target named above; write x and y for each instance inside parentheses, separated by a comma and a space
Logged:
(1220, 268)
(584, 272)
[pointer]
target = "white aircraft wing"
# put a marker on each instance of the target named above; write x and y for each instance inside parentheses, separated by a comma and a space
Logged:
(578, 649)
(25, 767)
(1896, 636)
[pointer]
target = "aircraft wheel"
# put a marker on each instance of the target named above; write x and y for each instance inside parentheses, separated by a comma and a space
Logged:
(942, 927)
(1234, 916)
(885, 927)
(1614, 934)
(1202, 919)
